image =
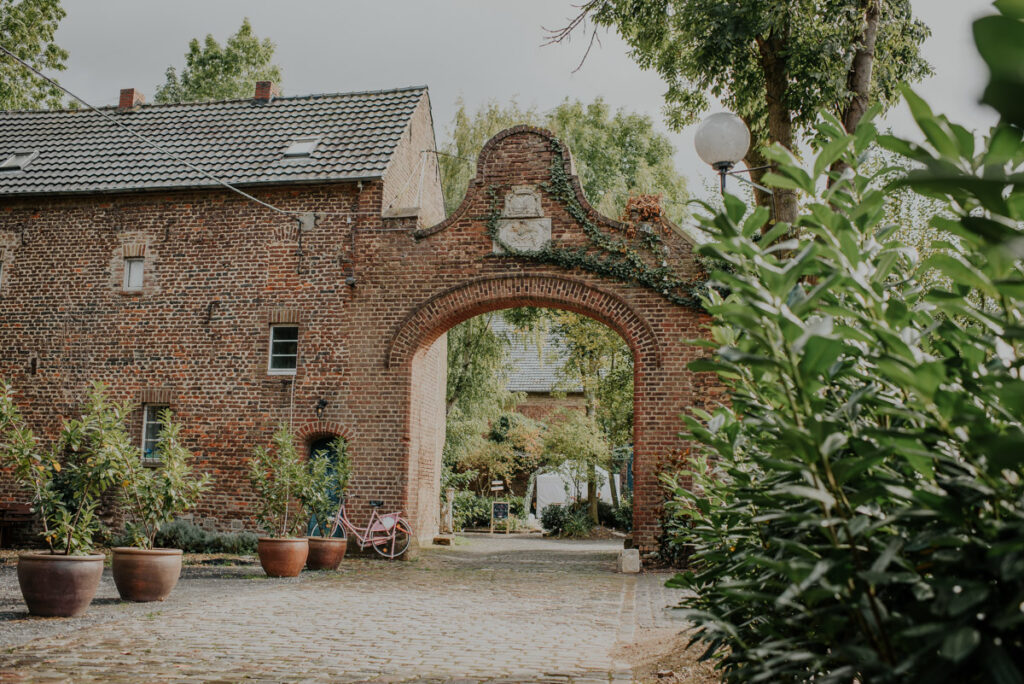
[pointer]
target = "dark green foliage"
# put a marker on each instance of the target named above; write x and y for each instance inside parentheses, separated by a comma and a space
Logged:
(615, 517)
(857, 512)
(193, 539)
(567, 521)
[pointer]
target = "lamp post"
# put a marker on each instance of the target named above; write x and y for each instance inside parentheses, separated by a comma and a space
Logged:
(722, 140)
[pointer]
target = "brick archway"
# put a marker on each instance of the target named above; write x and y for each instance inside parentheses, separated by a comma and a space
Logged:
(439, 313)
(456, 269)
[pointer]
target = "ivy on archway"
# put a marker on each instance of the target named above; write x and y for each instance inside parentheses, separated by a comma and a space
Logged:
(641, 260)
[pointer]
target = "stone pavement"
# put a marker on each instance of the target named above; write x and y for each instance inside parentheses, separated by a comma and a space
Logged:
(515, 609)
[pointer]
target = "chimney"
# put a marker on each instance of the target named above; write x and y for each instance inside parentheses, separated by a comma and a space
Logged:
(130, 97)
(266, 91)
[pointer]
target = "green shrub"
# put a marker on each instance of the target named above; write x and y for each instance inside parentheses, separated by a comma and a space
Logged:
(67, 480)
(278, 477)
(857, 512)
(472, 510)
(616, 517)
(567, 521)
(193, 539)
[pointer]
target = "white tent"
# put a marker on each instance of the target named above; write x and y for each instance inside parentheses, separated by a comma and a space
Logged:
(558, 487)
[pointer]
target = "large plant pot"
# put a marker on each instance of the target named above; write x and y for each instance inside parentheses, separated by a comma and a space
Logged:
(55, 585)
(325, 553)
(145, 574)
(282, 557)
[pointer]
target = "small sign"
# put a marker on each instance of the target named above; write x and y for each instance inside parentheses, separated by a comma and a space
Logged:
(497, 486)
(500, 513)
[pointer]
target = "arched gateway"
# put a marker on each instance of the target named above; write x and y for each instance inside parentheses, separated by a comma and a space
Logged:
(504, 247)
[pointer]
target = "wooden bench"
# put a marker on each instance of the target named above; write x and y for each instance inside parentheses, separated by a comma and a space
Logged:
(12, 514)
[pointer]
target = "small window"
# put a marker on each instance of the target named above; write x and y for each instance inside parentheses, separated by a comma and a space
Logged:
(151, 428)
(284, 349)
(133, 274)
(303, 147)
(19, 160)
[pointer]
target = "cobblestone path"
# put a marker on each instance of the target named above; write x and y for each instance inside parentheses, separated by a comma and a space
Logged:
(518, 609)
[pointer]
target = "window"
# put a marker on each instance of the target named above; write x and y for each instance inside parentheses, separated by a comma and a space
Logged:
(151, 428)
(284, 349)
(133, 274)
(19, 160)
(303, 147)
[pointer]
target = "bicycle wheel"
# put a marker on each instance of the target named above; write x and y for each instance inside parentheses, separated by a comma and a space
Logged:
(392, 546)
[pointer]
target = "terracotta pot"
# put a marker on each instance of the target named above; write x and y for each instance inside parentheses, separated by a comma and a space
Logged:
(55, 585)
(145, 574)
(282, 557)
(325, 553)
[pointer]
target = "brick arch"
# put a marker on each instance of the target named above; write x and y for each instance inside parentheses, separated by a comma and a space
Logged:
(316, 429)
(429, 320)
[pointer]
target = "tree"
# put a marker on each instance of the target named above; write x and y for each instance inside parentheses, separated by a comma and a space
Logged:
(215, 72)
(775, 63)
(616, 154)
(28, 29)
(476, 393)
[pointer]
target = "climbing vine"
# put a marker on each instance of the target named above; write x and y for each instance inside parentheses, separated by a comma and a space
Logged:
(607, 255)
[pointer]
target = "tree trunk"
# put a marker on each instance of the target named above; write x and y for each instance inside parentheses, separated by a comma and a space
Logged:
(780, 122)
(592, 492)
(858, 80)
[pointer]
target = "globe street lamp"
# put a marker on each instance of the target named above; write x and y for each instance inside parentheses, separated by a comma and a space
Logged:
(722, 140)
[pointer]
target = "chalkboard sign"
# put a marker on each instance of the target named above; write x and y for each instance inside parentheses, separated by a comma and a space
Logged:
(500, 513)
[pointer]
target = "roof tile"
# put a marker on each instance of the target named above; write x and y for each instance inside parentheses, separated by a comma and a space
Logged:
(240, 141)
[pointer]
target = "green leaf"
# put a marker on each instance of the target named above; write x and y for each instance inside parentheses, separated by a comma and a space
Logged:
(1004, 145)
(960, 644)
(961, 272)
(804, 492)
(819, 354)
(1011, 8)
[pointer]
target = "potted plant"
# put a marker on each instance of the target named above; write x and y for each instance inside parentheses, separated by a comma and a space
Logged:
(65, 484)
(325, 487)
(152, 495)
(278, 477)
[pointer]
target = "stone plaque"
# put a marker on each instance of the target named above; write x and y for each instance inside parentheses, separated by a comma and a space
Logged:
(523, 234)
(523, 201)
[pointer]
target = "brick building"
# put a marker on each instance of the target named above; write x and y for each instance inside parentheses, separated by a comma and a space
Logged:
(122, 265)
(534, 372)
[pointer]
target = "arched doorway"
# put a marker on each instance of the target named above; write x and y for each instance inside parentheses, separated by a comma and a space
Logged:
(523, 236)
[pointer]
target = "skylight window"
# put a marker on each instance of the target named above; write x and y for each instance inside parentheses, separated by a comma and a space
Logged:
(303, 147)
(19, 160)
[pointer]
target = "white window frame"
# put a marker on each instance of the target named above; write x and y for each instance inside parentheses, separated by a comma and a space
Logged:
(151, 416)
(302, 147)
(128, 261)
(270, 351)
(19, 160)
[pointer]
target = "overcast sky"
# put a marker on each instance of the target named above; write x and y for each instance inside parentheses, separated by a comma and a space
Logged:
(476, 49)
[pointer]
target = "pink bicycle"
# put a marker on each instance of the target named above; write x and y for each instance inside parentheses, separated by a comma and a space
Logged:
(389, 534)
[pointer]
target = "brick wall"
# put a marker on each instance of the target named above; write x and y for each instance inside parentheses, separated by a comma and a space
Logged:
(219, 270)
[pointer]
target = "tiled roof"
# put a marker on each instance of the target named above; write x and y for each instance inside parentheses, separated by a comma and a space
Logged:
(241, 141)
(528, 370)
